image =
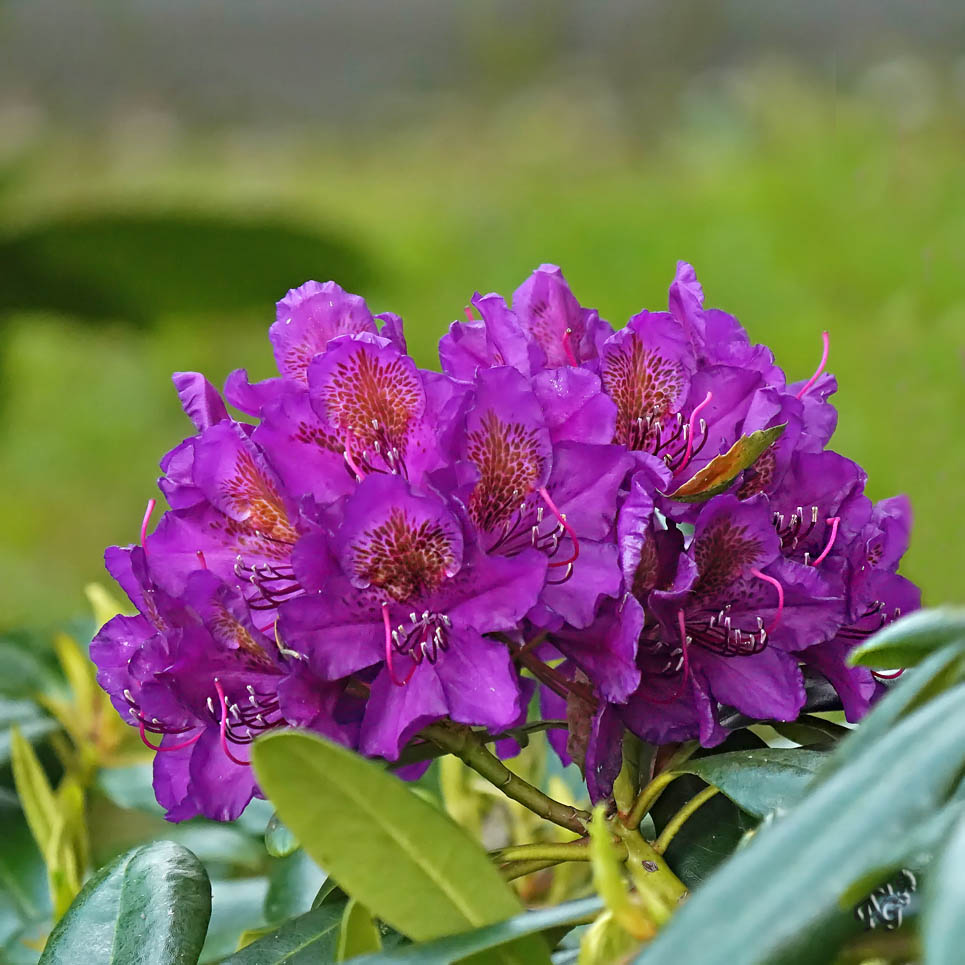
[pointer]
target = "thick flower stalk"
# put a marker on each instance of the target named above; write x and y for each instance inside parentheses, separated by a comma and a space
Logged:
(645, 526)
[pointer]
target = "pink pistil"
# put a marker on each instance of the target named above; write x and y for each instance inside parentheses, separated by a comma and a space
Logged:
(349, 439)
(891, 675)
(833, 521)
(388, 650)
(690, 430)
(201, 559)
(824, 361)
(171, 747)
(780, 597)
(566, 527)
(469, 314)
(224, 726)
(151, 503)
(568, 347)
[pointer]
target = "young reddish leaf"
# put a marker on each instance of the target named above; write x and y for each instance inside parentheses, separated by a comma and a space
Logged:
(722, 470)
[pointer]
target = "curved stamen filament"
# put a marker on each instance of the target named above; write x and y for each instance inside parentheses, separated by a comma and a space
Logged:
(172, 747)
(224, 725)
(890, 675)
(566, 527)
(151, 503)
(817, 374)
(568, 347)
(389, 648)
(833, 521)
(780, 597)
(201, 559)
(690, 429)
(349, 460)
(684, 667)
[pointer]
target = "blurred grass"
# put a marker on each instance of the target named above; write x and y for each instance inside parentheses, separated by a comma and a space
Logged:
(801, 212)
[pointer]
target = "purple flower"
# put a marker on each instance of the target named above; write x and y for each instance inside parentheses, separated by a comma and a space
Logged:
(197, 672)
(404, 599)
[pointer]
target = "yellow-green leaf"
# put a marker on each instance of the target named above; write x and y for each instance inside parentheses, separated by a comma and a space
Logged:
(722, 470)
(409, 863)
(34, 790)
(359, 934)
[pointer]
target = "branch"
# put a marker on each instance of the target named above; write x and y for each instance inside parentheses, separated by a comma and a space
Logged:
(465, 744)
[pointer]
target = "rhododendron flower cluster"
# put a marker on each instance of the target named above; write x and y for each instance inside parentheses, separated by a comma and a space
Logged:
(644, 526)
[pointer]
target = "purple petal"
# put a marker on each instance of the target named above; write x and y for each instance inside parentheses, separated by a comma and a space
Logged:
(199, 399)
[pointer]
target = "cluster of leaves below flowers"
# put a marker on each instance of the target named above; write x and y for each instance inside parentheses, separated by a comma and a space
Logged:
(644, 525)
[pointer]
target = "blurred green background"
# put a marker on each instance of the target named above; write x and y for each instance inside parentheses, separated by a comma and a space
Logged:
(169, 170)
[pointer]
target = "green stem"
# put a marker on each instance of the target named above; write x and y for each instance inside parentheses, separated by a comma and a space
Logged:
(428, 751)
(468, 747)
(677, 821)
(550, 850)
(656, 883)
(648, 797)
(516, 869)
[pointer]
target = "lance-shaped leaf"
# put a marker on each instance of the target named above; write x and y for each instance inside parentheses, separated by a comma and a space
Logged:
(722, 470)
(306, 940)
(456, 948)
(409, 863)
(762, 780)
(795, 871)
(944, 925)
(150, 906)
(908, 641)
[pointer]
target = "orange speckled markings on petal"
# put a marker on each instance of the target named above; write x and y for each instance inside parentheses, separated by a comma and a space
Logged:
(402, 557)
(642, 383)
(722, 553)
(298, 357)
(229, 632)
(375, 400)
(510, 462)
(256, 497)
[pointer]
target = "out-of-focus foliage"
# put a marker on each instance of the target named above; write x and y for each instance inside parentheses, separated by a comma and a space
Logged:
(810, 208)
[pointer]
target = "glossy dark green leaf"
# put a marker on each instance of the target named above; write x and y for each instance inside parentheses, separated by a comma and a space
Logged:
(708, 838)
(237, 906)
(148, 907)
(405, 860)
(906, 642)
(293, 883)
(455, 948)
(279, 841)
(811, 731)
(796, 870)
(943, 924)
(761, 780)
(309, 939)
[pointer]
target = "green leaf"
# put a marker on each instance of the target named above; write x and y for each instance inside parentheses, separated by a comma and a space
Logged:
(906, 642)
(237, 906)
(279, 841)
(455, 948)
(359, 934)
(310, 939)
(810, 731)
(34, 790)
(935, 674)
(762, 780)
(293, 883)
(943, 925)
(722, 470)
(408, 862)
(797, 869)
(150, 906)
(708, 838)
